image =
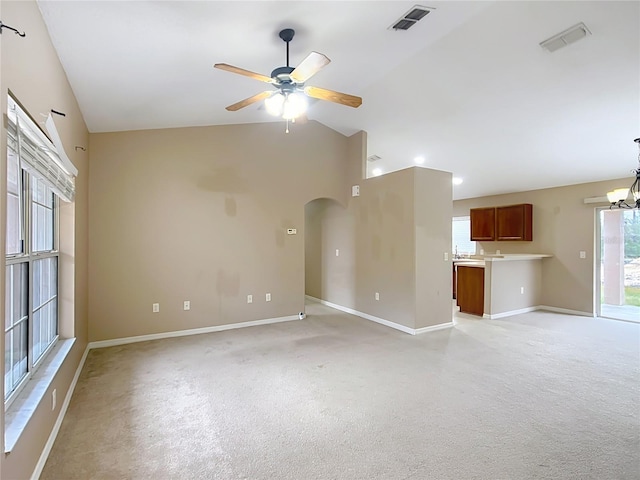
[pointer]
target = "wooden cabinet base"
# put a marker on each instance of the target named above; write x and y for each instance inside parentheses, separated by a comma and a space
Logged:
(470, 289)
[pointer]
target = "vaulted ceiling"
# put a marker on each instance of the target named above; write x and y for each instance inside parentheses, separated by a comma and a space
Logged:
(468, 88)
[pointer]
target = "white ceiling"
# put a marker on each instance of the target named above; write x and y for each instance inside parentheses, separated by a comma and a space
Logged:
(468, 88)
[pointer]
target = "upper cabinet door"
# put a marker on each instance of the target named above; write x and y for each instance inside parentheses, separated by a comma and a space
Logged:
(514, 222)
(483, 222)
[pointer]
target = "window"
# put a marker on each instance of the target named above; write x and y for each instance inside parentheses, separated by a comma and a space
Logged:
(462, 245)
(31, 290)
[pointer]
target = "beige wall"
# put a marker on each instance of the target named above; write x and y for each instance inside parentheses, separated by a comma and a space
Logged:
(563, 225)
(391, 240)
(504, 281)
(200, 214)
(329, 227)
(433, 211)
(30, 69)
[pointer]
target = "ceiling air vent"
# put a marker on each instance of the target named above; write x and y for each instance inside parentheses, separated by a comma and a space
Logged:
(562, 39)
(373, 158)
(410, 18)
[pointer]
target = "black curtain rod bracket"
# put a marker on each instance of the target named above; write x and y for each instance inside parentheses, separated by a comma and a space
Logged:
(14, 30)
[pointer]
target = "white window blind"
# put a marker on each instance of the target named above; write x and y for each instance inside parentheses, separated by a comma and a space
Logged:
(38, 155)
(461, 236)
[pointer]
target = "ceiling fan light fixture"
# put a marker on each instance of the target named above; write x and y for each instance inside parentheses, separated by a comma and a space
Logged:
(275, 104)
(294, 105)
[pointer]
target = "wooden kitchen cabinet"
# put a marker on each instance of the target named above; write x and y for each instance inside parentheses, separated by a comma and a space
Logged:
(483, 224)
(506, 223)
(514, 222)
(470, 289)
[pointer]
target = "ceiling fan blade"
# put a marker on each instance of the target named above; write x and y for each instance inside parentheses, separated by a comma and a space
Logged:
(309, 67)
(336, 97)
(248, 101)
(242, 71)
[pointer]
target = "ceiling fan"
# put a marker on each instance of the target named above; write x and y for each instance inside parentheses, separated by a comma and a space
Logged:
(289, 98)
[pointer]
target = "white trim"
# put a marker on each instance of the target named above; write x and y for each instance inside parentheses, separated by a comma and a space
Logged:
(56, 428)
(567, 311)
(382, 321)
(603, 200)
(533, 309)
(193, 331)
(433, 328)
(510, 313)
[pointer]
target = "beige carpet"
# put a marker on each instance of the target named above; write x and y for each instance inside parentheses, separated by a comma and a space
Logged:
(537, 396)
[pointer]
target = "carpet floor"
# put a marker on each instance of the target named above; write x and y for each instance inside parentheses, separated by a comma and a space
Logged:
(534, 396)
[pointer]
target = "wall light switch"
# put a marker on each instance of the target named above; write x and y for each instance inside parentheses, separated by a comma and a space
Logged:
(446, 256)
(156, 307)
(337, 252)
(268, 297)
(249, 298)
(522, 290)
(187, 305)
(377, 296)
(583, 254)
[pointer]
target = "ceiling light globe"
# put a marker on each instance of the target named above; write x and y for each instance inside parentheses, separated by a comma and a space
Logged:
(275, 104)
(618, 195)
(294, 105)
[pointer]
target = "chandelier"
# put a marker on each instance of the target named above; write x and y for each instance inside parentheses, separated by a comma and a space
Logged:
(618, 197)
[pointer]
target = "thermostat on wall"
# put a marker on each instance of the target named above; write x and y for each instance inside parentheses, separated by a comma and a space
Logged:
(291, 231)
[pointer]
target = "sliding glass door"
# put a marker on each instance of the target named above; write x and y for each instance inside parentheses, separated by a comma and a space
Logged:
(618, 264)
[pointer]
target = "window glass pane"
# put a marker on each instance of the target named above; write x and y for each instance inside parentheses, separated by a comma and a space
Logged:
(45, 304)
(16, 293)
(16, 344)
(42, 209)
(14, 245)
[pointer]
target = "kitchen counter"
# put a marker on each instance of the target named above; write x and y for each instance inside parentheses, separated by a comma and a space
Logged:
(498, 285)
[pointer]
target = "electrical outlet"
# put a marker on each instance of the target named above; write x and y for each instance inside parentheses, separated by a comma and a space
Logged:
(377, 296)
(583, 254)
(268, 297)
(156, 307)
(249, 298)
(187, 305)
(54, 399)
(497, 252)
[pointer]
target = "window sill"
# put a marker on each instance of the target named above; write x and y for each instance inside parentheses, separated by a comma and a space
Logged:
(22, 409)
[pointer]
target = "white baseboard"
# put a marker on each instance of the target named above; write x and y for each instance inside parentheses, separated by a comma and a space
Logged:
(193, 331)
(382, 321)
(56, 427)
(566, 310)
(510, 313)
(533, 309)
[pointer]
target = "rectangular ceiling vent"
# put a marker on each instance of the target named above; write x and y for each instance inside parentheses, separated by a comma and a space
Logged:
(373, 158)
(562, 39)
(410, 18)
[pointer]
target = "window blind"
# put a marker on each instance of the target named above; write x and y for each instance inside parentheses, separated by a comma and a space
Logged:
(38, 155)
(461, 235)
